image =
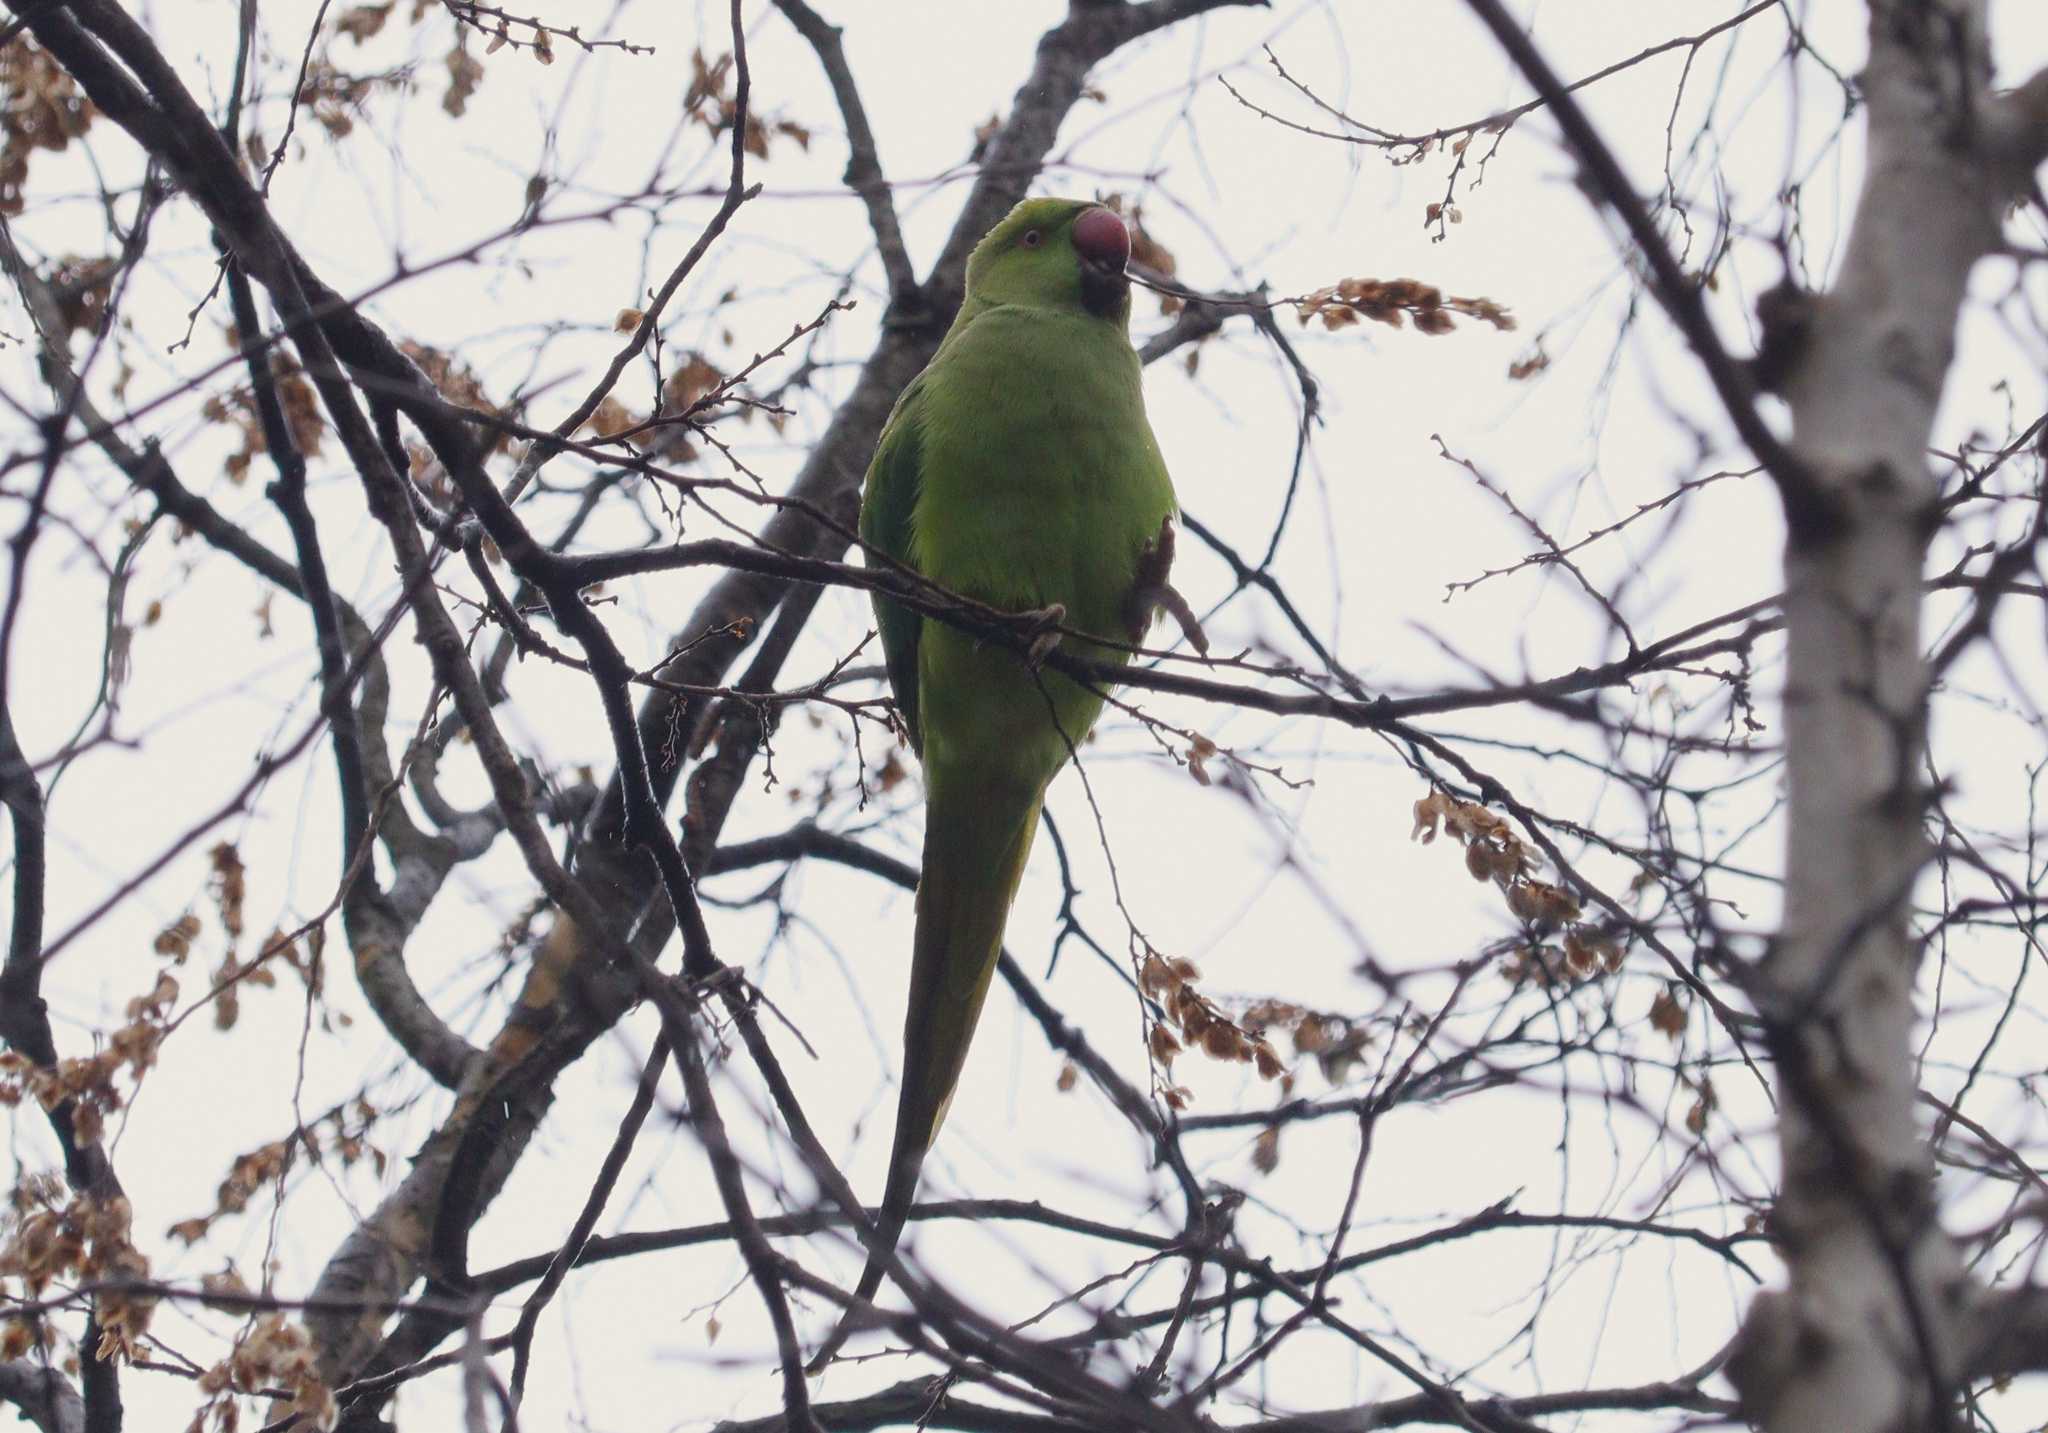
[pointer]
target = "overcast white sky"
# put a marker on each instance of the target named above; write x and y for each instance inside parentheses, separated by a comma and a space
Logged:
(1273, 900)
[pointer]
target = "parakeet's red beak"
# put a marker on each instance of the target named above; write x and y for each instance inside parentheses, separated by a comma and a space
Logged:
(1101, 238)
(1104, 244)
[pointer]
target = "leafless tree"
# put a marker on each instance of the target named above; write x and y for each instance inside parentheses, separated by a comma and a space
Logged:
(1757, 966)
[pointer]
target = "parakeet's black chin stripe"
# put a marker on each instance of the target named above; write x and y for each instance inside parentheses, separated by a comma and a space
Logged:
(1103, 289)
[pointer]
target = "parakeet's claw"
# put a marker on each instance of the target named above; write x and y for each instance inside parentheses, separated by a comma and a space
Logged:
(1042, 630)
(1150, 591)
(1190, 624)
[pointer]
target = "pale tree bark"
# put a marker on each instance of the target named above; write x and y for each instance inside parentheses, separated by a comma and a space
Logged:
(1873, 1330)
(42, 1397)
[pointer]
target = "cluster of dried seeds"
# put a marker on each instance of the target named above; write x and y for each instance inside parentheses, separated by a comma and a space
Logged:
(344, 1130)
(336, 97)
(1201, 1025)
(455, 381)
(664, 436)
(272, 1352)
(1493, 852)
(237, 410)
(1336, 1043)
(361, 23)
(57, 1236)
(709, 101)
(81, 287)
(41, 107)
(86, 1082)
(1395, 301)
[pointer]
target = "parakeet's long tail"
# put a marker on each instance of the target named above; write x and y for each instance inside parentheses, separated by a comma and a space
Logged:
(976, 840)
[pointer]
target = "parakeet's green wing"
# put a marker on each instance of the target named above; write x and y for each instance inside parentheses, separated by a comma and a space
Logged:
(886, 509)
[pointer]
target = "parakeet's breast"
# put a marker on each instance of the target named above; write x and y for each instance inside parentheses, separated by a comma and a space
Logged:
(1041, 479)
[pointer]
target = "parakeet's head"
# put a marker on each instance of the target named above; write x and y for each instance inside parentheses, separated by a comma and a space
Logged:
(1054, 253)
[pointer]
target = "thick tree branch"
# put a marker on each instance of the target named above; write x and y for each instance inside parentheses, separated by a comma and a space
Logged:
(864, 174)
(43, 1396)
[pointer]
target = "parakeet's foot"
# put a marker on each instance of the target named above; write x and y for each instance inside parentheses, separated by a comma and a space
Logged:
(1150, 591)
(1190, 625)
(1041, 628)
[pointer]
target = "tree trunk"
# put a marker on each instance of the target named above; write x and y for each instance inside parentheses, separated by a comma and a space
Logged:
(1870, 1332)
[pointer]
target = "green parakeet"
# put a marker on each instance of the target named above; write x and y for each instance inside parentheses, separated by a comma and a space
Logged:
(1018, 469)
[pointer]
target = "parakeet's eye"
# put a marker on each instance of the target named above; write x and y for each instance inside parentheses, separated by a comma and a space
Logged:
(1031, 239)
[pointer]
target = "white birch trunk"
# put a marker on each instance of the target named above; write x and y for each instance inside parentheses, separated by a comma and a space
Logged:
(1871, 1332)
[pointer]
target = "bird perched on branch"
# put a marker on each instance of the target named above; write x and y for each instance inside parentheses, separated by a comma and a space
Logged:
(1017, 470)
